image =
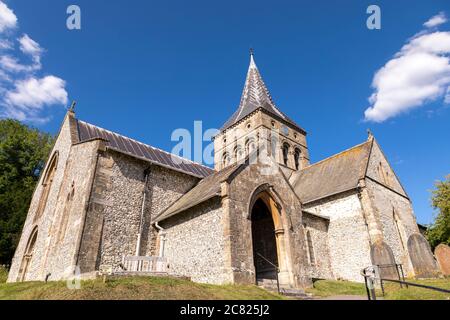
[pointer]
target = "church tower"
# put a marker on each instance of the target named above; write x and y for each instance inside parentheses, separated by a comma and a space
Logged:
(259, 125)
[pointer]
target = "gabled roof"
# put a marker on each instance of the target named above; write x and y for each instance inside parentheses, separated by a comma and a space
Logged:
(256, 96)
(333, 175)
(119, 143)
(206, 189)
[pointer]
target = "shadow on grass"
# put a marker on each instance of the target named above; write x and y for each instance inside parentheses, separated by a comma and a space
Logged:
(135, 288)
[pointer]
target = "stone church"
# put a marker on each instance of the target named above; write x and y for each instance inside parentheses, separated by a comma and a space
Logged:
(109, 204)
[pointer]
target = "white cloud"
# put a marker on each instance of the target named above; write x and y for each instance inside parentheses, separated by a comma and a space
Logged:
(8, 19)
(447, 96)
(418, 73)
(5, 44)
(436, 20)
(11, 64)
(29, 46)
(24, 95)
(4, 77)
(34, 93)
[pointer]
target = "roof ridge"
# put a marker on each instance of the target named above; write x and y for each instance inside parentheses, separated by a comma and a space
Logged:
(148, 145)
(335, 155)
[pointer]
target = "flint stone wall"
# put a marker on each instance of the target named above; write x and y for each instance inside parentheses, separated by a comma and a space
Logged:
(318, 229)
(36, 269)
(194, 243)
(348, 238)
(63, 244)
(122, 201)
(395, 235)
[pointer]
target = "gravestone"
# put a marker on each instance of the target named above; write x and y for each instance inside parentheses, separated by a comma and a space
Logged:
(442, 253)
(383, 257)
(422, 258)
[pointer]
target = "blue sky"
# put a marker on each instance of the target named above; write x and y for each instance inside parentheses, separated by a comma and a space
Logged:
(146, 68)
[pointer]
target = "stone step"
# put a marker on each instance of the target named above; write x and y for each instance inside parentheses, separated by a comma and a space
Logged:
(139, 274)
(263, 282)
(290, 292)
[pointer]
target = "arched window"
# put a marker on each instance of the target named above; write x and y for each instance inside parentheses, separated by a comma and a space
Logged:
(297, 158)
(285, 153)
(250, 146)
(398, 226)
(28, 255)
(274, 145)
(66, 214)
(225, 160)
(238, 153)
(384, 174)
(46, 185)
(311, 256)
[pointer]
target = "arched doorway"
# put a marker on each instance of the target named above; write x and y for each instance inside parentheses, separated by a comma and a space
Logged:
(28, 255)
(265, 254)
(270, 251)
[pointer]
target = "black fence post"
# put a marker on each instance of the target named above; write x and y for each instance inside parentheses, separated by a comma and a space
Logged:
(365, 283)
(403, 276)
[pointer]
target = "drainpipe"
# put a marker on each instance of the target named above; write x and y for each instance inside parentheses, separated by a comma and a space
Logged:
(162, 239)
(141, 222)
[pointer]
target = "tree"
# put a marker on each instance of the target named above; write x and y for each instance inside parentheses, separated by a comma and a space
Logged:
(23, 152)
(439, 231)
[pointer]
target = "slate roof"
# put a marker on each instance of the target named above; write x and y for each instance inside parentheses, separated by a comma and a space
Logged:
(204, 190)
(333, 175)
(254, 96)
(117, 142)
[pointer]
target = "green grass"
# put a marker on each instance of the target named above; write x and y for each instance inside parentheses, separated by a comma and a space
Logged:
(136, 288)
(394, 292)
(159, 288)
(327, 288)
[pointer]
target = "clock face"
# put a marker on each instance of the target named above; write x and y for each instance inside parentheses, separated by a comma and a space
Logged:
(285, 130)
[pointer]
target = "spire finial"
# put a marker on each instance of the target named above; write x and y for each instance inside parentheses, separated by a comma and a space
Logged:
(252, 60)
(369, 132)
(72, 106)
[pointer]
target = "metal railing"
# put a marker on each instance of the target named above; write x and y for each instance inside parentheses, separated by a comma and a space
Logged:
(372, 275)
(399, 271)
(275, 267)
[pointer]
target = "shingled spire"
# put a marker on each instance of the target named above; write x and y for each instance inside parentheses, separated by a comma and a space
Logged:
(256, 96)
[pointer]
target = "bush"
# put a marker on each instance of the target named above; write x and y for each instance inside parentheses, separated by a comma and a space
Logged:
(3, 274)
